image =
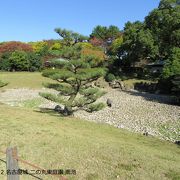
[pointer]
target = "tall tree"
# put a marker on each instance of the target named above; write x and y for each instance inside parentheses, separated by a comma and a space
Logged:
(69, 37)
(168, 3)
(105, 35)
(115, 46)
(172, 65)
(138, 43)
(170, 79)
(164, 23)
(153, 39)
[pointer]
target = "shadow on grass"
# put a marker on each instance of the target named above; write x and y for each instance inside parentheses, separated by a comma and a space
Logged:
(164, 99)
(50, 111)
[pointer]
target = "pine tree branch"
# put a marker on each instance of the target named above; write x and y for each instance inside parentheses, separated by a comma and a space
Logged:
(53, 97)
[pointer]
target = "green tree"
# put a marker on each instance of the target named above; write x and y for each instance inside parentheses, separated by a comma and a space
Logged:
(170, 79)
(19, 61)
(4, 61)
(69, 37)
(106, 34)
(35, 62)
(3, 66)
(172, 65)
(73, 78)
(115, 46)
(138, 44)
(168, 4)
(176, 86)
(164, 23)
(68, 52)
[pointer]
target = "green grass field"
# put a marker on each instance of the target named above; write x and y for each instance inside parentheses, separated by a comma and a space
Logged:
(131, 82)
(34, 80)
(23, 80)
(95, 151)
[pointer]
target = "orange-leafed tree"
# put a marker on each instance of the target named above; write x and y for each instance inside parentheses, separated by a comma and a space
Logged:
(93, 55)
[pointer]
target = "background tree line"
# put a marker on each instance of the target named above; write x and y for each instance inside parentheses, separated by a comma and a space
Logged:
(155, 39)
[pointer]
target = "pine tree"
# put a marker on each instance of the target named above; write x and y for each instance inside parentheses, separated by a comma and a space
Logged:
(74, 78)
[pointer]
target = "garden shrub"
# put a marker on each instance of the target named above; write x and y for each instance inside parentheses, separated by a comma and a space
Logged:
(19, 61)
(110, 77)
(35, 62)
(4, 62)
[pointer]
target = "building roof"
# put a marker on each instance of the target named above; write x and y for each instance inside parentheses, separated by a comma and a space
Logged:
(157, 63)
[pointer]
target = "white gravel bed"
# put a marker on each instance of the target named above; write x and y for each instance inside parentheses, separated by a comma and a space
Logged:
(137, 112)
(132, 111)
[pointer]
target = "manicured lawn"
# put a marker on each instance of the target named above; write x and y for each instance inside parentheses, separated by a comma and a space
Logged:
(23, 79)
(131, 82)
(96, 151)
(34, 80)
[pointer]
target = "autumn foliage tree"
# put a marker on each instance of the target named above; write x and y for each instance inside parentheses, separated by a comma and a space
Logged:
(95, 41)
(93, 56)
(40, 48)
(104, 36)
(15, 46)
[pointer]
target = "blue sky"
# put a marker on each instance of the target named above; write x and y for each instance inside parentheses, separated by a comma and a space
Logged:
(32, 20)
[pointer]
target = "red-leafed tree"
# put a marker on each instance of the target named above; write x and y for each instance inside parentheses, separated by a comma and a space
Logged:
(15, 46)
(95, 41)
(104, 36)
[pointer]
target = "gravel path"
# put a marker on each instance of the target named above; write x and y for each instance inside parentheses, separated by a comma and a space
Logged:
(14, 96)
(137, 112)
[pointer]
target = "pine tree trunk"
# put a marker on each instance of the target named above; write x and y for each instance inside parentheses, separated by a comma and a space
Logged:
(68, 107)
(68, 110)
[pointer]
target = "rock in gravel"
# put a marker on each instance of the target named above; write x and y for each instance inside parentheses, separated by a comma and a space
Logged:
(109, 102)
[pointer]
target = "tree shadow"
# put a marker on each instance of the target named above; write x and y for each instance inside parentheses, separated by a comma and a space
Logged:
(52, 112)
(49, 111)
(163, 99)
